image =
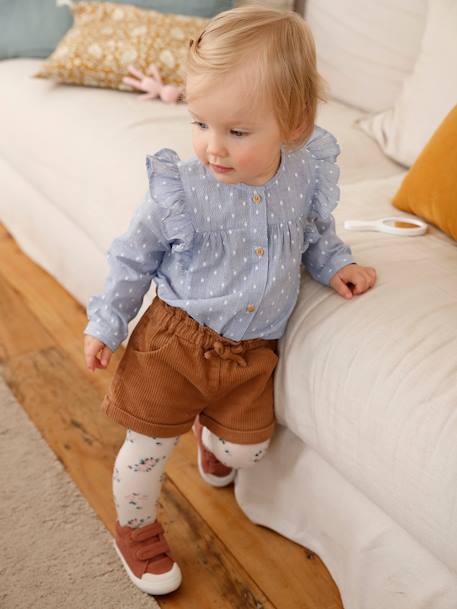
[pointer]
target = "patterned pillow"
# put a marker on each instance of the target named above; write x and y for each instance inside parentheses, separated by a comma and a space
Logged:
(107, 37)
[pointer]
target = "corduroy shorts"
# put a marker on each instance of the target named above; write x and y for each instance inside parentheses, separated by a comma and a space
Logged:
(175, 368)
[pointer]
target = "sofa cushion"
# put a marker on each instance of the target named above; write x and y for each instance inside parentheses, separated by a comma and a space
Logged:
(363, 66)
(370, 383)
(428, 94)
(360, 158)
(429, 189)
(106, 38)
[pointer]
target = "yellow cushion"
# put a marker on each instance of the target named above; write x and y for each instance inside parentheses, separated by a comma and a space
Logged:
(429, 189)
(106, 38)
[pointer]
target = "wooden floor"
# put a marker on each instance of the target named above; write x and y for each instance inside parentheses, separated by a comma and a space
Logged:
(227, 562)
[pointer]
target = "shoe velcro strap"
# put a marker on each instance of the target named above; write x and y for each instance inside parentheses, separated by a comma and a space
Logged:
(143, 533)
(152, 550)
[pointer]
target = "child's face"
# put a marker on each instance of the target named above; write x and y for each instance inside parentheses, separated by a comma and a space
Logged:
(237, 141)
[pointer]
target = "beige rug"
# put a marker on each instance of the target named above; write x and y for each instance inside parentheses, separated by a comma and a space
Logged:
(54, 552)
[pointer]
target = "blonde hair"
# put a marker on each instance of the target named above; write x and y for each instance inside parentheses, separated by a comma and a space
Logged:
(285, 72)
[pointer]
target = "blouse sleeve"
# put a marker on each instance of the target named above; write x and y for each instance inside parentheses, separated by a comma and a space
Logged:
(166, 189)
(157, 226)
(326, 253)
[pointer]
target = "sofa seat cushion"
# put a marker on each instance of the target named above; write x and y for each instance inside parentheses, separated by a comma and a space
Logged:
(370, 383)
(84, 149)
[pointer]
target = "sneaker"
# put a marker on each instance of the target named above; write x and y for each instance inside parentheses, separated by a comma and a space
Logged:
(146, 557)
(211, 469)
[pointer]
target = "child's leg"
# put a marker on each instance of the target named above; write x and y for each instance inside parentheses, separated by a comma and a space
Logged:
(137, 477)
(140, 541)
(234, 455)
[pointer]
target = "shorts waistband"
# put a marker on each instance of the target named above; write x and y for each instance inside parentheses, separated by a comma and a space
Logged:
(182, 324)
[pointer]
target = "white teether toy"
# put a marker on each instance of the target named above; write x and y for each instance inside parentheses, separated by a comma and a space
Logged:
(395, 225)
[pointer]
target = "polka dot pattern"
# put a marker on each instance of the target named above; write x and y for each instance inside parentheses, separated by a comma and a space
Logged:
(228, 254)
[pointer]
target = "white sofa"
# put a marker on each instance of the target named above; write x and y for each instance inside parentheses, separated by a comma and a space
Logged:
(363, 468)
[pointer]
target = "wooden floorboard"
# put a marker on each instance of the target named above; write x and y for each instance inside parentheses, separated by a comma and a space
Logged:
(227, 561)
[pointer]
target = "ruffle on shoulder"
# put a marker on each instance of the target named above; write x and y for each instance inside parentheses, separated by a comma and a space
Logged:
(323, 150)
(166, 189)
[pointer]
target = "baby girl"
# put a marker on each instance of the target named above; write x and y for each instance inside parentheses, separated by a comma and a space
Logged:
(223, 236)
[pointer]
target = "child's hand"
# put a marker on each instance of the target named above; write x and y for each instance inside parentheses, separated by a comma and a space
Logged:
(96, 353)
(353, 279)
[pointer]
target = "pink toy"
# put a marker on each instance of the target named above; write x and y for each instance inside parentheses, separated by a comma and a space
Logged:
(153, 86)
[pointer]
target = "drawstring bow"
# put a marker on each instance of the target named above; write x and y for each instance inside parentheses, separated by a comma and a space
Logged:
(226, 352)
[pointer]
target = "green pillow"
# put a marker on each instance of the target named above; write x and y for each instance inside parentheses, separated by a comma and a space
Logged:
(32, 28)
